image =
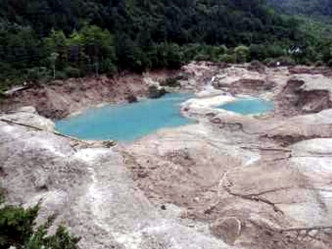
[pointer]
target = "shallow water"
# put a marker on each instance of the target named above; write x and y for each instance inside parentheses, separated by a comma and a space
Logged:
(249, 106)
(126, 122)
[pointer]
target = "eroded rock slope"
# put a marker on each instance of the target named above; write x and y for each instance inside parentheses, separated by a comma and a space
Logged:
(91, 191)
(227, 181)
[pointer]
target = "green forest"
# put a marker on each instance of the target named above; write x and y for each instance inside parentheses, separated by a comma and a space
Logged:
(42, 40)
(312, 8)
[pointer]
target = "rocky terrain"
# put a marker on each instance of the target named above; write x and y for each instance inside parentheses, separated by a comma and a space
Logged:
(59, 99)
(227, 181)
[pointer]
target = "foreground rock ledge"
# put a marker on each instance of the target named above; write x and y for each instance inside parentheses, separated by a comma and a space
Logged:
(92, 192)
(252, 195)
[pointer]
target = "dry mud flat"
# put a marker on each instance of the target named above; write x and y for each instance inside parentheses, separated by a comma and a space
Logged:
(228, 181)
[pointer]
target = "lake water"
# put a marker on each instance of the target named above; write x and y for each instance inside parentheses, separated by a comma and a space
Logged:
(247, 106)
(126, 122)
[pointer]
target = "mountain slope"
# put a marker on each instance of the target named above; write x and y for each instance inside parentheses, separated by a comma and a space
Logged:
(43, 39)
(313, 8)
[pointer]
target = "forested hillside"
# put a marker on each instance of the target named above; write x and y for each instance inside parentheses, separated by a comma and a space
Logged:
(46, 39)
(313, 8)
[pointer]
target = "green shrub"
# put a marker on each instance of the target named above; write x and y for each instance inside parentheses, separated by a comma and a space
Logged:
(256, 66)
(307, 62)
(16, 225)
(258, 52)
(60, 240)
(72, 72)
(319, 64)
(329, 63)
(286, 61)
(202, 57)
(109, 67)
(61, 75)
(17, 229)
(242, 54)
(38, 74)
(227, 58)
(270, 62)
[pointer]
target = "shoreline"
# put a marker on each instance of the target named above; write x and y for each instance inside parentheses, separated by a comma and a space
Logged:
(67, 98)
(226, 170)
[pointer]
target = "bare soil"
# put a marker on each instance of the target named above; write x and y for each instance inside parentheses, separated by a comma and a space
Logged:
(59, 99)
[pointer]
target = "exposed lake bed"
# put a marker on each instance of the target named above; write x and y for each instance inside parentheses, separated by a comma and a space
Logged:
(221, 179)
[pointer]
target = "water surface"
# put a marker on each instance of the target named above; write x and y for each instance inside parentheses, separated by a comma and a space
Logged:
(126, 122)
(249, 106)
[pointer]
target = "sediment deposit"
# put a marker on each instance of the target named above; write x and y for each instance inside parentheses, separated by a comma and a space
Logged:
(227, 181)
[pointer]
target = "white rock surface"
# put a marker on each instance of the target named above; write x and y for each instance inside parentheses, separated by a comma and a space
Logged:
(91, 191)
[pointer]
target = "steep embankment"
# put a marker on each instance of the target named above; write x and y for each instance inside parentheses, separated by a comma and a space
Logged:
(58, 99)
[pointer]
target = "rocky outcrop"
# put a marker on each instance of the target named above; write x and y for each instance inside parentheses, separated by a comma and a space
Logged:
(252, 191)
(91, 191)
(27, 116)
(227, 181)
(156, 92)
(61, 98)
(306, 94)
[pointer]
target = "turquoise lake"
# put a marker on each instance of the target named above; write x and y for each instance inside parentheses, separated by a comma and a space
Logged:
(249, 106)
(126, 122)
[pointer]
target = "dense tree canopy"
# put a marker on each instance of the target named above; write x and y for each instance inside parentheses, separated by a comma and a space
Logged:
(45, 39)
(313, 8)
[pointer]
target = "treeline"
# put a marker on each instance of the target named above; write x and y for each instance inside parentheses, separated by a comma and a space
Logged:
(45, 39)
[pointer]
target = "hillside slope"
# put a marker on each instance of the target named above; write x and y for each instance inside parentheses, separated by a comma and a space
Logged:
(313, 8)
(58, 39)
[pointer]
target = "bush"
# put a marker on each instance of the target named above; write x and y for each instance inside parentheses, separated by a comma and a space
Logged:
(319, 64)
(286, 61)
(38, 74)
(16, 225)
(242, 54)
(61, 75)
(202, 57)
(212, 53)
(227, 58)
(258, 52)
(109, 67)
(256, 66)
(307, 62)
(275, 51)
(174, 56)
(72, 72)
(329, 63)
(270, 62)
(17, 230)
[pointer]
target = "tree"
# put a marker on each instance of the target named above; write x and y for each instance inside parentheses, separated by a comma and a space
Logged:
(242, 53)
(56, 44)
(53, 57)
(98, 45)
(100, 36)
